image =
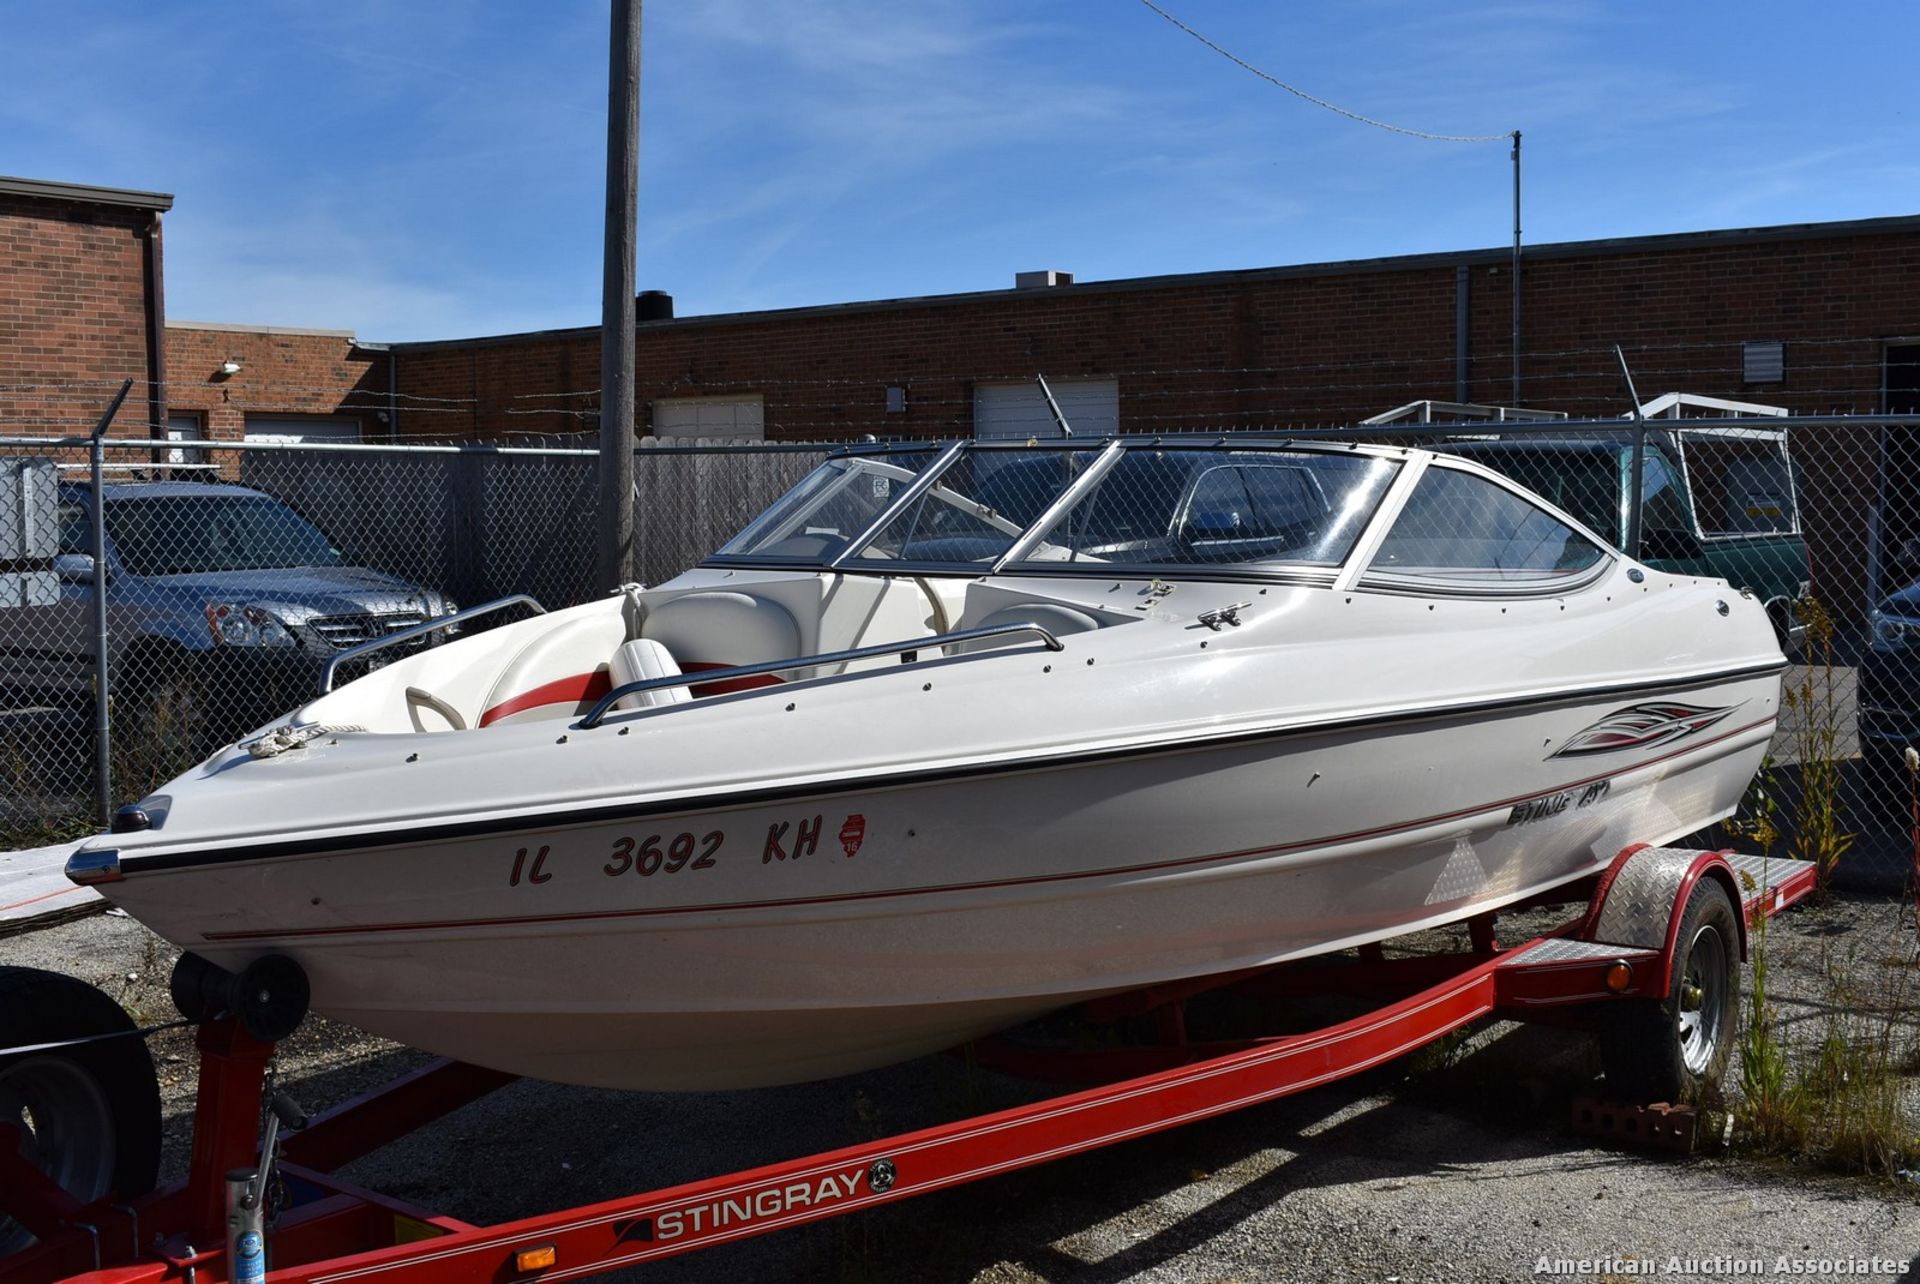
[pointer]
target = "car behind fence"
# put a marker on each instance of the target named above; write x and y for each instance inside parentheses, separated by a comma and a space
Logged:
(235, 572)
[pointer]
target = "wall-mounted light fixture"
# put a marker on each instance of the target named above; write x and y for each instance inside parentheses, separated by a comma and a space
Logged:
(230, 367)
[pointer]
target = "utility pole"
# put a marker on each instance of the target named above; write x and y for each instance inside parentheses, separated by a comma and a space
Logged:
(616, 561)
(1516, 268)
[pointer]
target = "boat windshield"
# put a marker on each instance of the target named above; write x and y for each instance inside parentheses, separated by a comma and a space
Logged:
(1147, 505)
(835, 503)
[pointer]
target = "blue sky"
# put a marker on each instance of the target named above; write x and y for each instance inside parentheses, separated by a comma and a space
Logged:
(435, 169)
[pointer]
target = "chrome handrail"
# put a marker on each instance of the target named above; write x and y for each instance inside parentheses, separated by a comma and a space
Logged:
(910, 648)
(421, 630)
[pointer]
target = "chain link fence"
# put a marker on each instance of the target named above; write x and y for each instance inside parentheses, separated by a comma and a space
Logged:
(237, 570)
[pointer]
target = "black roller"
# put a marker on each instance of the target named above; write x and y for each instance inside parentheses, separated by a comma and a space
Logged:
(199, 988)
(269, 997)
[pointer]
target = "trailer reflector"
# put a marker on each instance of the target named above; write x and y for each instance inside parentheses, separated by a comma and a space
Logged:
(1619, 977)
(535, 1259)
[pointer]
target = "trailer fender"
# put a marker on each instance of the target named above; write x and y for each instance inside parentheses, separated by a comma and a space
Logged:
(1642, 895)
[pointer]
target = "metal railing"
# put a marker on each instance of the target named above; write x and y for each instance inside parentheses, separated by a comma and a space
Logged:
(908, 650)
(453, 621)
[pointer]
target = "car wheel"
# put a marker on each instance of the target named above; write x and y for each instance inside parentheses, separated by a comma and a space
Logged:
(88, 1115)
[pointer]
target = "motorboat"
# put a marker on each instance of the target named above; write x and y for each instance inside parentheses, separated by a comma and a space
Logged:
(952, 736)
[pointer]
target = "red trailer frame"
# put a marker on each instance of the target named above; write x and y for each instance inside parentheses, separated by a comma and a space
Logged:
(1620, 948)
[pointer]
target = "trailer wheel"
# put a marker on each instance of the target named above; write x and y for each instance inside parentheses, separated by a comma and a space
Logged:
(1673, 1049)
(88, 1115)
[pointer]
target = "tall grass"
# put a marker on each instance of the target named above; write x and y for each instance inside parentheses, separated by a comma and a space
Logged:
(26, 824)
(1838, 1095)
(158, 736)
(1770, 1109)
(1768, 1106)
(1817, 832)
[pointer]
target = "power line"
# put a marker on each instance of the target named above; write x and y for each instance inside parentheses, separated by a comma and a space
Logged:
(1297, 92)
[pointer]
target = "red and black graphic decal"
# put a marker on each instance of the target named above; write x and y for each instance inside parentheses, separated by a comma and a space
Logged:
(1641, 726)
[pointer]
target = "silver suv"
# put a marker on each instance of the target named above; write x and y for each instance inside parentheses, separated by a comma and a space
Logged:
(219, 590)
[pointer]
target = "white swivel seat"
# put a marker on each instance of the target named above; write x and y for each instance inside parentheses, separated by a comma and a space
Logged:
(640, 660)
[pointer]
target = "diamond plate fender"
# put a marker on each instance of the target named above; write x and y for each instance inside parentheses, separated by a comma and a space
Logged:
(1643, 893)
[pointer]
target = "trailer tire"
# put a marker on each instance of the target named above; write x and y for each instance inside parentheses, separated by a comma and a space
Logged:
(89, 1115)
(1673, 1049)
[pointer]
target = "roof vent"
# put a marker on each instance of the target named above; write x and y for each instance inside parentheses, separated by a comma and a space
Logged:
(1041, 280)
(653, 305)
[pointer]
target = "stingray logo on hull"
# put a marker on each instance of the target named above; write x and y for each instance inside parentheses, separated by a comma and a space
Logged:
(1641, 726)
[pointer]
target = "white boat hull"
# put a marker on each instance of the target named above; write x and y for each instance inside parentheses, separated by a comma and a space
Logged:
(967, 904)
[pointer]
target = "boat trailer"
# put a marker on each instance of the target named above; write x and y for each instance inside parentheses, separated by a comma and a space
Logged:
(1634, 964)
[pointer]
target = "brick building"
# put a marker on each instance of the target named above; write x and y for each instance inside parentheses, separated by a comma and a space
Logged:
(81, 306)
(233, 381)
(1817, 318)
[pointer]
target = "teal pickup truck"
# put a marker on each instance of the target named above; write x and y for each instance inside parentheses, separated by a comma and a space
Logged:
(1715, 501)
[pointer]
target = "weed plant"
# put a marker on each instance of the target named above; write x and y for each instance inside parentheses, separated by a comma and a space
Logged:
(1817, 831)
(1842, 1095)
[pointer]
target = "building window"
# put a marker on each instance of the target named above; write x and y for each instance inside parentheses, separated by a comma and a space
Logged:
(1019, 411)
(296, 430)
(186, 426)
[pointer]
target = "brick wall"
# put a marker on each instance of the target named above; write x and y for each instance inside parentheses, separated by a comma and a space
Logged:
(1267, 348)
(282, 372)
(73, 314)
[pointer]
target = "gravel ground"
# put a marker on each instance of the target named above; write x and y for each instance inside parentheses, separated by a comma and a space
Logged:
(1462, 1170)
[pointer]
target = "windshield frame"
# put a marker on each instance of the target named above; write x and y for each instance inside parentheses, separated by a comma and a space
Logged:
(1108, 452)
